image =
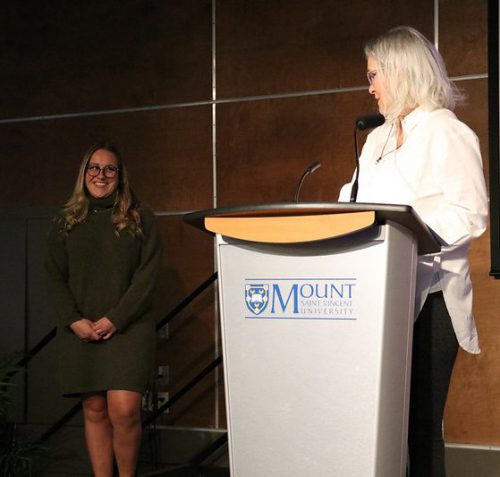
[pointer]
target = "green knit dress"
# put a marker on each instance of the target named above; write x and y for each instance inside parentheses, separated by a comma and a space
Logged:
(93, 272)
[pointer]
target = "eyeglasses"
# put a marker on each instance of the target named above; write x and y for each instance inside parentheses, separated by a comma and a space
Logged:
(109, 171)
(370, 75)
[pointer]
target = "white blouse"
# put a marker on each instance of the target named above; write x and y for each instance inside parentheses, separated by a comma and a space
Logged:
(438, 171)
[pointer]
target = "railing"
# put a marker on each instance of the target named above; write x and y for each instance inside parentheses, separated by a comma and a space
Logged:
(182, 392)
(158, 412)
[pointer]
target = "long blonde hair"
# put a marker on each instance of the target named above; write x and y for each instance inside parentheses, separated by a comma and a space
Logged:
(413, 70)
(125, 209)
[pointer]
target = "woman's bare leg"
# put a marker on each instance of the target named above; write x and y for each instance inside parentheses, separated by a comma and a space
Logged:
(124, 408)
(98, 434)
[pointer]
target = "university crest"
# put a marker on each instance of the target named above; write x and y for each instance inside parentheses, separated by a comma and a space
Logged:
(256, 298)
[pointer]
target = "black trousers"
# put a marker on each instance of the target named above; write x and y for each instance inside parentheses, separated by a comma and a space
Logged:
(435, 349)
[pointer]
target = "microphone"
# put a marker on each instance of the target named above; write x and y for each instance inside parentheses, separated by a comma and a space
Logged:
(363, 122)
(369, 122)
(309, 170)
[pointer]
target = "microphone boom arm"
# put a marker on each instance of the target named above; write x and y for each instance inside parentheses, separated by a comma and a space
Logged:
(309, 170)
(364, 122)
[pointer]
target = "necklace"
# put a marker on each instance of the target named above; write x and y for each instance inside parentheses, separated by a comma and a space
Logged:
(382, 155)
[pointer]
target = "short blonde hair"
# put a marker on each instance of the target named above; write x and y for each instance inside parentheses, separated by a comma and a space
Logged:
(413, 72)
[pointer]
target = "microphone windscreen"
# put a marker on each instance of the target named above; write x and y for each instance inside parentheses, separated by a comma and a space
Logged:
(314, 166)
(369, 122)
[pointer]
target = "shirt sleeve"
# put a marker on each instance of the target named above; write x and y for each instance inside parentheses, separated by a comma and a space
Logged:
(137, 298)
(57, 279)
(461, 212)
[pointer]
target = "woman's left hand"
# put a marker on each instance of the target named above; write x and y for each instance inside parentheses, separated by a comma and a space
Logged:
(104, 328)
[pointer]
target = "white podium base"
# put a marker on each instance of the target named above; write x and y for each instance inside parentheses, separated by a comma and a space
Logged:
(317, 353)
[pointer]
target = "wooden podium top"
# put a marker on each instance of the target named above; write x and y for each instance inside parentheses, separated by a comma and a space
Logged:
(306, 222)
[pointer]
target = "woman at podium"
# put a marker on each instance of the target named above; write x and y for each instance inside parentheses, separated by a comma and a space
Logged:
(425, 157)
(103, 255)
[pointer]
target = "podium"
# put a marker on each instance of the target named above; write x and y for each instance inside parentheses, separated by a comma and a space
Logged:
(317, 311)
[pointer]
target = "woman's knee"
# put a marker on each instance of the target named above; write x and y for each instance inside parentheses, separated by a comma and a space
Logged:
(95, 408)
(124, 408)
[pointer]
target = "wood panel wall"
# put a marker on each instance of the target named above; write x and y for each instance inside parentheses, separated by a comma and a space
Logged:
(289, 83)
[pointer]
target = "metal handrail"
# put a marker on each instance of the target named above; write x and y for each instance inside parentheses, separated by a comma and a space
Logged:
(186, 301)
(58, 424)
(199, 458)
(32, 353)
(184, 390)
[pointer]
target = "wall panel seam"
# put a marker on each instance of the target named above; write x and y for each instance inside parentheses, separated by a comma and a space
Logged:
(210, 102)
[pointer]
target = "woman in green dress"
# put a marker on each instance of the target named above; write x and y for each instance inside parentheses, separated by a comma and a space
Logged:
(104, 252)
